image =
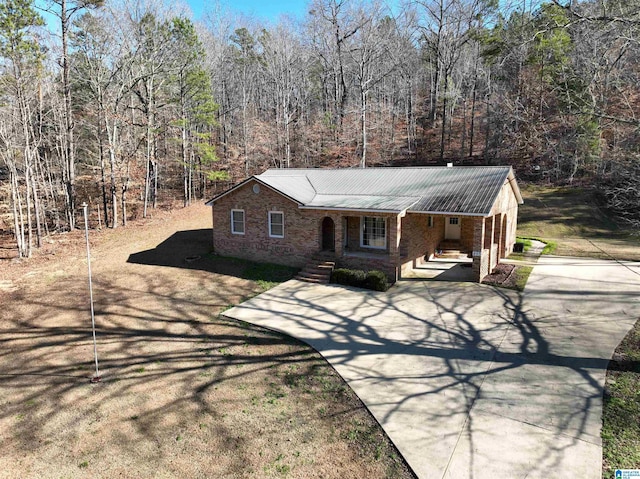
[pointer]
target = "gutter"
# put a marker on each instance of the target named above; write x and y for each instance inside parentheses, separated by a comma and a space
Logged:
(355, 210)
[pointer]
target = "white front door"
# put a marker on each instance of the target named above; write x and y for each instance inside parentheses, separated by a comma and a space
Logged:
(452, 228)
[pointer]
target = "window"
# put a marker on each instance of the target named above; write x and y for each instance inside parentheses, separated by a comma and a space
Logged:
(454, 221)
(430, 221)
(373, 232)
(237, 222)
(276, 224)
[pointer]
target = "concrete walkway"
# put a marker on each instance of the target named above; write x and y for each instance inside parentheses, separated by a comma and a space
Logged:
(469, 380)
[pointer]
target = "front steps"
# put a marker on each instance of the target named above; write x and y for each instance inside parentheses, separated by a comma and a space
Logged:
(450, 249)
(318, 269)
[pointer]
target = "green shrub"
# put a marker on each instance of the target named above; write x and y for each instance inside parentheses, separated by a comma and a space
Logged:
(550, 247)
(375, 280)
(340, 276)
(349, 277)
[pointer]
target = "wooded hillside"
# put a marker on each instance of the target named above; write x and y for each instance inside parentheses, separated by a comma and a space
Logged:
(130, 105)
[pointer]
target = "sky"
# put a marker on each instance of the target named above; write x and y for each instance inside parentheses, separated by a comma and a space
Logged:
(269, 10)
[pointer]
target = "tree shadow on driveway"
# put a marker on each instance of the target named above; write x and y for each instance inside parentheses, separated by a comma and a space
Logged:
(457, 372)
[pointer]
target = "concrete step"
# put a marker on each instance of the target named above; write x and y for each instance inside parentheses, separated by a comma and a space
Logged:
(307, 274)
(319, 269)
(312, 280)
(450, 244)
(323, 265)
(452, 254)
(450, 251)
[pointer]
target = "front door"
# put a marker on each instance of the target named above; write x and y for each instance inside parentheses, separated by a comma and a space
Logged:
(452, 228)
(328, 234)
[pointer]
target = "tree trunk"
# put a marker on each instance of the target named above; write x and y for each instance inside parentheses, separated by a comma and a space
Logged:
(185, 162)
(113, 188)
(463, 138)
(149, 144)
(444, 117)
(125, 187)
(103, 173)
(155, 184)
(68, 120)
(16, 207)
(363, 124)
(36, 211)
(473, 115)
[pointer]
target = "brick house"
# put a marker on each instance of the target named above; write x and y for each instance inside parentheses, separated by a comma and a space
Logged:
(391, 219)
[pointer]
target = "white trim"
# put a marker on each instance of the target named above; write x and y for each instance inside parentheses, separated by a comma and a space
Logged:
(386, 230)
(244, 217)
(242, 183)
(449, 213)
(270, 224)
(354, 210)
(398, 212)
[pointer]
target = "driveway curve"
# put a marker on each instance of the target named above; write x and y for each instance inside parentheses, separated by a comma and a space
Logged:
(469, 380)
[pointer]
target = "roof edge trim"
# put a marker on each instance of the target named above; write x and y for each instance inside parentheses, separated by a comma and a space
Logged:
(447, 213)
(242, 183)
(514, 185)
(355, 210)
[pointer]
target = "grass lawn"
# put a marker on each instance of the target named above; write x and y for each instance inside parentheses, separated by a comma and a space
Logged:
(571, 219)
(185, 392)
(621, 412)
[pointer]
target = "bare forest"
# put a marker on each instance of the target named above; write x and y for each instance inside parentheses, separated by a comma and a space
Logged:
(131, 106)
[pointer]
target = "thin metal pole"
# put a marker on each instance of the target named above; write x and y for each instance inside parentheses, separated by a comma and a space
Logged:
(96, 378)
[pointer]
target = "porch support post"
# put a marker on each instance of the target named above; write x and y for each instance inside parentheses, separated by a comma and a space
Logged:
(482, 239)
(498, 237)
(488, 242)
(395, 235)
(337, 234)
(213, 228)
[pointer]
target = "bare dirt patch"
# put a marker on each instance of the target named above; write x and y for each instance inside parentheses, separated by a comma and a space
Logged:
(184, 393)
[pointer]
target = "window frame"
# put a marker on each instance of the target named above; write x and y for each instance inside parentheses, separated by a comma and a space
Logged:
(233, 223)
(362, 232)
(430, 221)
(271, 223)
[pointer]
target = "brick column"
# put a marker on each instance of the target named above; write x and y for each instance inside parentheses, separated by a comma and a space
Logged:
(213, 228)
(489, 224)
(395, 234)
(478, 248)
(337, 236)
(499, 235)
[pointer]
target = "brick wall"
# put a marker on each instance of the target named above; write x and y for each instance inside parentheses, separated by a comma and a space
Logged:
(302, 232)
(419, 240)
(466, 233)
(507, 204)
(495, 235)
(302, 228)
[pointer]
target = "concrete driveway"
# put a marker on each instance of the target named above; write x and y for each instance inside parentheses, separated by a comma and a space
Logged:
(469, 380)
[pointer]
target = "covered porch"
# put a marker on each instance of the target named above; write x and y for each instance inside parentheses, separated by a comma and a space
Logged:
(414, 244)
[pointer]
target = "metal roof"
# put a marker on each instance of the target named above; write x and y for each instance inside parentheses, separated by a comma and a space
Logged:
(362, 202)
(459, 190)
